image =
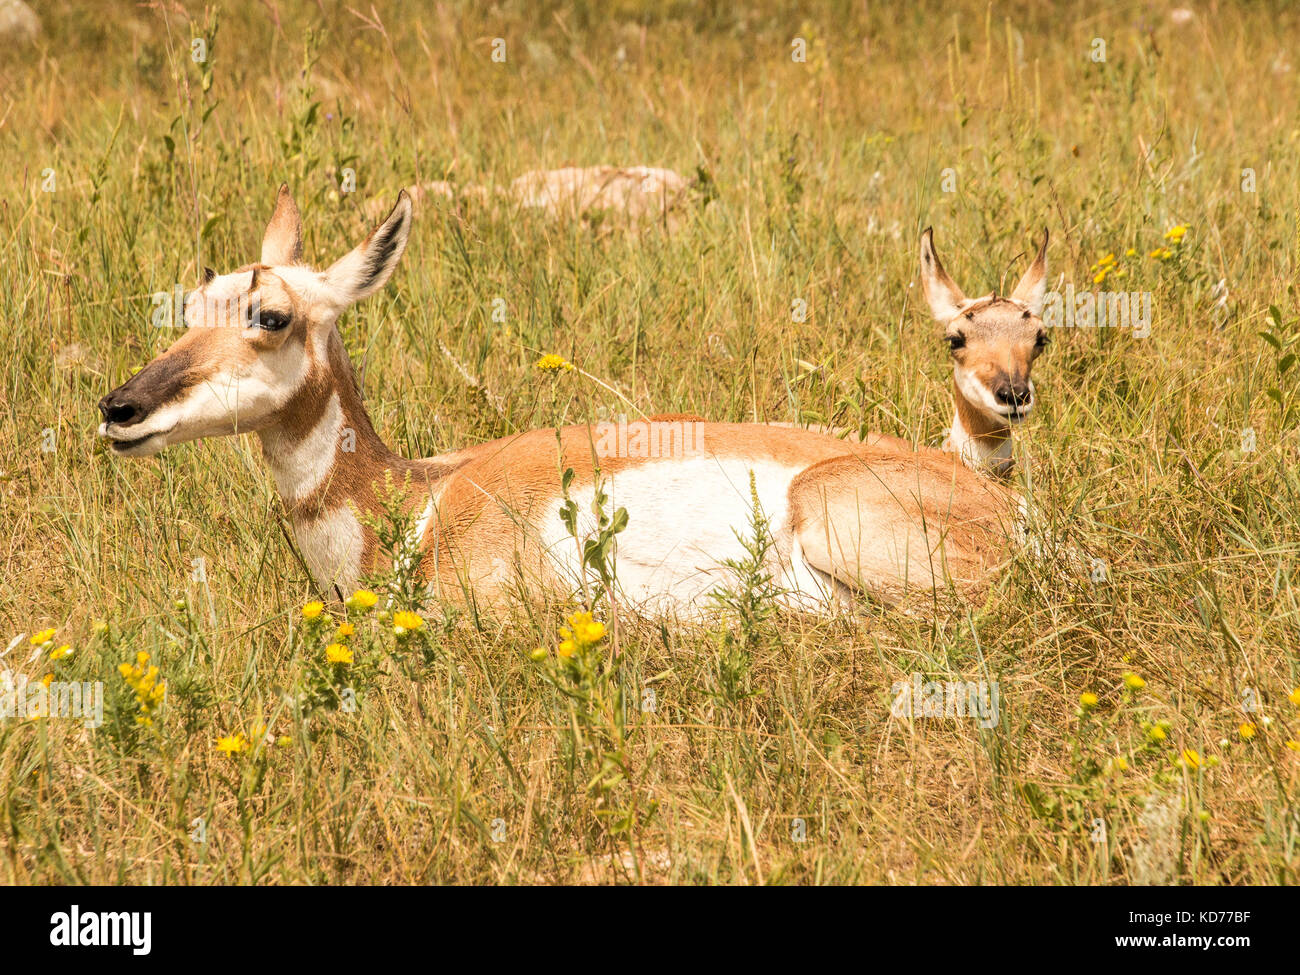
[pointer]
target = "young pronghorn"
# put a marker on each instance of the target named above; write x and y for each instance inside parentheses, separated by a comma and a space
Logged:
(262, 355)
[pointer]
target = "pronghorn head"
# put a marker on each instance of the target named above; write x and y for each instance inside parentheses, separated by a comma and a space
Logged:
(253, 339)
(994, 340)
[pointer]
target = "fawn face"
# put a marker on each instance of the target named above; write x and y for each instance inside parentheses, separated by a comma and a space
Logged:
(994, 340)
(252, 339)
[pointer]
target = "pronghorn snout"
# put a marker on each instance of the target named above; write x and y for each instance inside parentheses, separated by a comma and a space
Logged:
(1014, 394)
(120, 407)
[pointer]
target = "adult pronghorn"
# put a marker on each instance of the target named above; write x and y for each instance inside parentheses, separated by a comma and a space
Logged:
(262, 355)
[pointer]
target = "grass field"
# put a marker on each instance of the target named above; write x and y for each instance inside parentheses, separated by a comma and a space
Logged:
(771, 755)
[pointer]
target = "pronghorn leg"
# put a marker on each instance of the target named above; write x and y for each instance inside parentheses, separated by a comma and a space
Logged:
(890, 529)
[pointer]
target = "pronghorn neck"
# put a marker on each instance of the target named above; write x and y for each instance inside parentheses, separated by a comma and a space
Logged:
(323, 438)
(981, 442)
(328, 463)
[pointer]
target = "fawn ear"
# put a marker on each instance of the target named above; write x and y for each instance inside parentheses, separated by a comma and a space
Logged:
(1033, 286)
(941, 291)
(282, 243)
(363, 271)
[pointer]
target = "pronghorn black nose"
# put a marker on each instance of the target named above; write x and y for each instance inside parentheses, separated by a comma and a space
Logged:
(1012, 394)
(118, 408)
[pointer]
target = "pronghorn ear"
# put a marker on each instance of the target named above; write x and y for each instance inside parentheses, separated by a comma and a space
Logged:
(364, 270)
(1033, 286)
(941, 291)
(282, 243)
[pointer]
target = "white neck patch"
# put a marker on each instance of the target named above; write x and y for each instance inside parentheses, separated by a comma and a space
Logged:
(976, 453)
(300, 467)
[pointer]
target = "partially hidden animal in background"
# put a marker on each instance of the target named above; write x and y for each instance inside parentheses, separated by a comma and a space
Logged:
(623, 196)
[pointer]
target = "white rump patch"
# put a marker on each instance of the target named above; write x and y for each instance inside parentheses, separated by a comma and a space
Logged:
(683, 520)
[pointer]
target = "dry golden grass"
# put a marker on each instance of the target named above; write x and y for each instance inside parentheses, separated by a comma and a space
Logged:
(466, 767)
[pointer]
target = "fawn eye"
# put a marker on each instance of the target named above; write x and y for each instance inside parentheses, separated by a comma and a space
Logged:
(955, 341)
(270, 321)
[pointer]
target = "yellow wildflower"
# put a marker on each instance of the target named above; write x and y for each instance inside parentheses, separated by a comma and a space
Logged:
(1088, 700)
(1191, 759)
(1176, 233)
(553, 362)
(362, 599)
(1156, 733)
(1294, 697)
(565, 649)
(1246, 730)
(338, 653)
(232, 744)
(1131, 252)
(142, 678)
(1293, 745)
(1133, 682)
(405, 621)
(61, 652)
(45, 636)
(345, 630)
(313, 610)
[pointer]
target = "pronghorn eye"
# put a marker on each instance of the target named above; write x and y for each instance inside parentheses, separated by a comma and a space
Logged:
(956, 341)
(271, 321)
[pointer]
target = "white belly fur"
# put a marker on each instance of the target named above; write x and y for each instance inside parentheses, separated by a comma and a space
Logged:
(683, 520)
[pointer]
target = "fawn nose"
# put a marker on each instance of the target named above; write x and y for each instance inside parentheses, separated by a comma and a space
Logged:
(1014, 394)
(118, 407)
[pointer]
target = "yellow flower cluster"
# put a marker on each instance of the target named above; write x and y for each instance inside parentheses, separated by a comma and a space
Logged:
(582, 633)
(259, 734)
(1108, 267)
(362, 600)
(405, 622)
(1175, 236)
(338, 653)
(554, 363)
(142, 678)
(1158, 731)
